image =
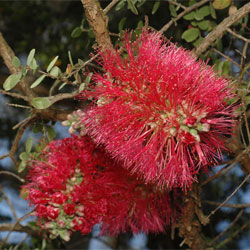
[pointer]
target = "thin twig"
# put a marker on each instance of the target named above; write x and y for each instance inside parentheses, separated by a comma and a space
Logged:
(9, 203)
(177, 4)
(110, 6)
(244, 205)
(229, 197)
(226, 169)
(14, 95)
(238, 36)
(13, 175)
(17, 227)
(230, 226)
(220, 29)
(233, 235)
(183, 13)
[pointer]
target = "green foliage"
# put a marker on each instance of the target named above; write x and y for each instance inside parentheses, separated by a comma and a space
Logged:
(16, 62)
(190, 35)
(221, 4)
(41, 102)
(12, 81)
(37, 81)
(156, 7)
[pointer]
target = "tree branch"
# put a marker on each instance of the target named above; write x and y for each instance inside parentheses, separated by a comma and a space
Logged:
(186, 11)
(220, 29)
(98, 22)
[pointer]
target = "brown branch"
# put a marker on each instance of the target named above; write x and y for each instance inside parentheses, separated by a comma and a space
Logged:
(244, 205)
(98, 22)
(189, 226)
(237, 35)
(230, 226)
(183, 13)
(13, 175)
(229, 197)
(233, 235)
(110, 6)
(9, 203)
(17, 227)
(220, 29)
(14, 95)
(7, 54)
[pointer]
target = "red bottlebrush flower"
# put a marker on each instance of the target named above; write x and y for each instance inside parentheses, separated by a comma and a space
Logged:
(159, 111)
(69, 209)
(76, 185)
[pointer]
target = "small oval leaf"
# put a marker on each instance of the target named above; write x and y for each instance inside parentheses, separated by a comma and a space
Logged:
(172, 10)
(51, 133)
(156, 7)
(221, 4)
(24, 156)
(12, 81)
(16, 62)
(121, 24)
(37, 81)
(190, 34)
(132, 7)
(52, 63)
(21, 166)
(76, 32)
(31, 56)
(28, 145)
(189, 16)
(41, 102)
(55, 71)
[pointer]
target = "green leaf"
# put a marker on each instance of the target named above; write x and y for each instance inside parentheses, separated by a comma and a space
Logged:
(156, 7)
(172, 10)
(190, 34)
(41, 102)
(120, 5)
(221, 4)
(52, 63)
(37, 128)
(140, 3)
(194, 23)
(37, 81)
(55, 71)
(121, 24)
(197, 42)
(226, 68)
(82, 87)
(28, 145)
(12, 81)
(24, 156)
(70, 58)
(140, 24)
(21, 166)
(212, 11)
(91, 33)
(204, 25)
(132, 7)
(76, 32)
(219, 44)
(88, 78)
(33, 65)
(82, 22)
(31, 56)
(62, 85)
(51, 133)
(189, 16)
(204, 11)
(16, 62)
